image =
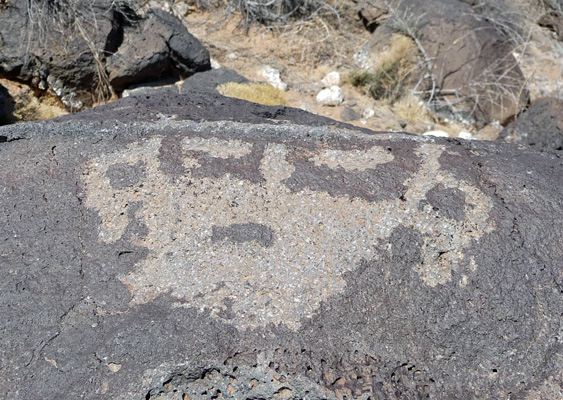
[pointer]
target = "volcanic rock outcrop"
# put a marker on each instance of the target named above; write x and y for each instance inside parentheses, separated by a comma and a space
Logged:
(6, 107)
(469, 70)
(541, 126)
(85, 50)
(172, 247)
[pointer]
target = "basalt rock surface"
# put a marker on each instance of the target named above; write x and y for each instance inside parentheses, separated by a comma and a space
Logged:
(541, 126)
(245, 251)
(83, 50)
(6, 107)
(475, 76)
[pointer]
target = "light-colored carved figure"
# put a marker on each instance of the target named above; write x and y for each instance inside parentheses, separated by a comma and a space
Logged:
(304, 241)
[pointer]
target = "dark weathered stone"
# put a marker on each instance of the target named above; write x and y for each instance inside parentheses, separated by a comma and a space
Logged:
(541, 126)
(207, 81)
(83, 50)
(472, 64)
(349, 114)
(6, 107)
(160, 47)
(151, 257)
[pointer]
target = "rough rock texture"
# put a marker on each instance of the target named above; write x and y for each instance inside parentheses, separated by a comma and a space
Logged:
(207, 81)
(158, 256)
(540, 126)
(76, 49)
(349, 114)
(553, 17)
(161, 47)
(472, 64)
(152, 90)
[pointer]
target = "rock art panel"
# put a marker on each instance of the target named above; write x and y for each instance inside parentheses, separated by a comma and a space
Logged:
(258, 253)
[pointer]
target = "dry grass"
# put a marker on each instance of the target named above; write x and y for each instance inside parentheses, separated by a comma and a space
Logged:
(261, 93)
(401, 49)
(269, 12)
(317, 41)
(411, 108)
(392, 71)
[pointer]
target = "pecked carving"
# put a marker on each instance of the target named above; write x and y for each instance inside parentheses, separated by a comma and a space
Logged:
(270, 254)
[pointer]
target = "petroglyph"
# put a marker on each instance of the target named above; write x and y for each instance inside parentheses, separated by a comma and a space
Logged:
(352, 160)
(217, 148)
(254, 254)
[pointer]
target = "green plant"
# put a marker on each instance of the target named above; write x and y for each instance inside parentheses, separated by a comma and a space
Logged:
(389, 82)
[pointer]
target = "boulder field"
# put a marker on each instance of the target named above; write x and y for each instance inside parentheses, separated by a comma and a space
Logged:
(188, 247)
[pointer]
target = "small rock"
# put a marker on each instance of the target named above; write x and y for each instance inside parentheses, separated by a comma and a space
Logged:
(114, 367)
(436, 133)
(272, 75)
(232, 56)
(331, 96)
(466, 135)
(72, 101)
(368, 113)
(331, 79)
(214, 63)
(350, 102)
(349, 114)
(181, 9)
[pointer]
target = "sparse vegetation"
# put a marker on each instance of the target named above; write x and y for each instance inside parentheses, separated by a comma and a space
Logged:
(282, 11)
(261, 93)
(411, 108)
(392, 71)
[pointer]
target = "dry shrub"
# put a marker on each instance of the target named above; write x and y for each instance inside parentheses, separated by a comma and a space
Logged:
(401, 49)
(392, 72)
(321, 38)
(261, 93)
(269, 12)
(412, 109)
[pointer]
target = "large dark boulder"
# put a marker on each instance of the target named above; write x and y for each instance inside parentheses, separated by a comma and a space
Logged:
(160, 47)
(209, 80)
(540, 126)
(475, 77)
(85, 50)
(242, 251)
(6, 107)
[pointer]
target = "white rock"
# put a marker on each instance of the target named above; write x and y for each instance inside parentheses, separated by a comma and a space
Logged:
(331, 96)
(362, 58)
(214, 63)
(465, 135)
(272, 75)
(232, 56)
(436, 133)
(181, 9)
(331, 79)
(368, 113)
